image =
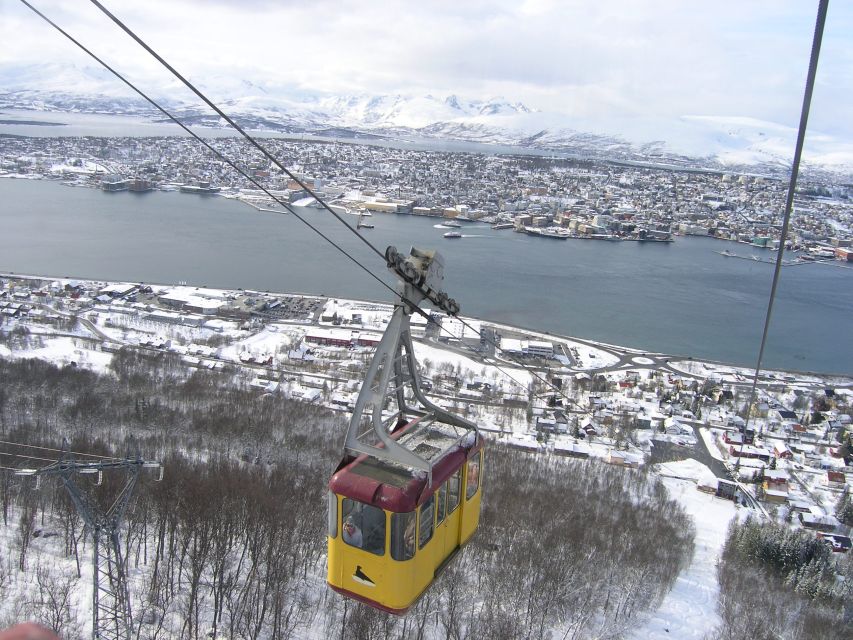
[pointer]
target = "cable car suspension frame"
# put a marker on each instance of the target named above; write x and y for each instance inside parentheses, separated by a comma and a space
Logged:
(393, 371)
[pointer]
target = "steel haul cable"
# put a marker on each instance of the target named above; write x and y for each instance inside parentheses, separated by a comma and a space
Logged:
(820, 22)
(254, 142)
(205, 143)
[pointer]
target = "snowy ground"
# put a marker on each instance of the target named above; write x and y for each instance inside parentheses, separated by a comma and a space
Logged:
(689, 469)
(63, 350)
(588, 357)
(689, 610)
(708, 437)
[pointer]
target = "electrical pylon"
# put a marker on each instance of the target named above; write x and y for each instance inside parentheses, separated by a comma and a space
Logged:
(111, 614)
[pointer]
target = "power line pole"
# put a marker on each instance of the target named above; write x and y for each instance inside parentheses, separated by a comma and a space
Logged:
(111, 614)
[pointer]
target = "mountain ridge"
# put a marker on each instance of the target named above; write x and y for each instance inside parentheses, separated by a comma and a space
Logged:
(715, 141)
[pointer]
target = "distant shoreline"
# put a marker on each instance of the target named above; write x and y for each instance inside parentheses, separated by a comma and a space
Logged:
(678, 362)
(34, 123)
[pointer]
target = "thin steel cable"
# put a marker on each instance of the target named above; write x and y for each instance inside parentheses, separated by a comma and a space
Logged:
(231, 122)
(238, 128)
(19, 455)
(76, 453)
(222, 157)
(792, 185)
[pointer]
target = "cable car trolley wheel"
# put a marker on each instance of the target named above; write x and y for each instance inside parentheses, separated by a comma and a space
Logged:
(406, 496)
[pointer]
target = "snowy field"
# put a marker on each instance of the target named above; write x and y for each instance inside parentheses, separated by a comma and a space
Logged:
(689, 611)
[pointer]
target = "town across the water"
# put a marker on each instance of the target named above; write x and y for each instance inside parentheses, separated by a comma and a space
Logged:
(545, 196)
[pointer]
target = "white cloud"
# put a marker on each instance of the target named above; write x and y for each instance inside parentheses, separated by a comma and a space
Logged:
(607, 62)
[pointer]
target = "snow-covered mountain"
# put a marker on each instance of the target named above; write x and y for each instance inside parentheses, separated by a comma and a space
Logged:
(414, 112)
(720, 141)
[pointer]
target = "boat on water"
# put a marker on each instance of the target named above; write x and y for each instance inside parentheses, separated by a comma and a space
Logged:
(202, 188)
(651, 240)
(362, 224)
(452, 234)
(727, 253)
(547, 233)
(451, 223)
(502, 225)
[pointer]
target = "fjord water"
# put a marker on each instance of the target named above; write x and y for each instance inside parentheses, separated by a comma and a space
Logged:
(681, 298)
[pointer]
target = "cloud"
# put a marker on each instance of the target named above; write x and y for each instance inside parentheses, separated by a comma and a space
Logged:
(609, 61)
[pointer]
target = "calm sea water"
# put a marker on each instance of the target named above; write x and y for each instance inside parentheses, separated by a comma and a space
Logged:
(681, 298)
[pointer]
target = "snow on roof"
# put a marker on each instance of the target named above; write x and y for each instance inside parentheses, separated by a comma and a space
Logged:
(809, 518)
(455, 330)
(511, 345)
(748, 449)
(329, 333)
(580, 448)
(689, 469)
(119, 288)
(753, 463)
(540, 344)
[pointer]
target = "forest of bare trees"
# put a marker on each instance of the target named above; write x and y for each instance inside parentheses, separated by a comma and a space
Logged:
(232, 542)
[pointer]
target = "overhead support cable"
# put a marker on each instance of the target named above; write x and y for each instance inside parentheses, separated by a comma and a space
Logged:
(284, 204)
(26, 457)
(231, 122)
(215, 151)
(792, 187)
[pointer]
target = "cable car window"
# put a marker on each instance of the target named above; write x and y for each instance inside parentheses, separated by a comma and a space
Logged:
(363, 526)
(333, 515)
(425, 531)
(442, 502)
(403, 527)
(453, 489)
(473, 482)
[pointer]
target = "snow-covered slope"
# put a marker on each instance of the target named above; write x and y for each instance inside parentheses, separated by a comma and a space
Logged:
(745, 141)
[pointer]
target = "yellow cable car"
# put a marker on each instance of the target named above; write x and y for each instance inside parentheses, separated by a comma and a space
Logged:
(391, 532)
(406, 495)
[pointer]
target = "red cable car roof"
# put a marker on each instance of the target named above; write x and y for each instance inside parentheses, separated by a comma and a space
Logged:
(394, 487)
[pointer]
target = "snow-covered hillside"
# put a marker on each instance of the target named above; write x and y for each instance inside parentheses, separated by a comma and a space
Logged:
(727, 141)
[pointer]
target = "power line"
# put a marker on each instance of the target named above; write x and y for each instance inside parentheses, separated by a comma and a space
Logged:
(76, 453)
(12, 469)
(26, 457)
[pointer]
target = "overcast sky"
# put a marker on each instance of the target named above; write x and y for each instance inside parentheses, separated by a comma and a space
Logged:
(608, 59)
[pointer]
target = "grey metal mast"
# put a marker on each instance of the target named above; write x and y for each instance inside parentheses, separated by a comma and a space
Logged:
(394, 371)
(111, 614)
